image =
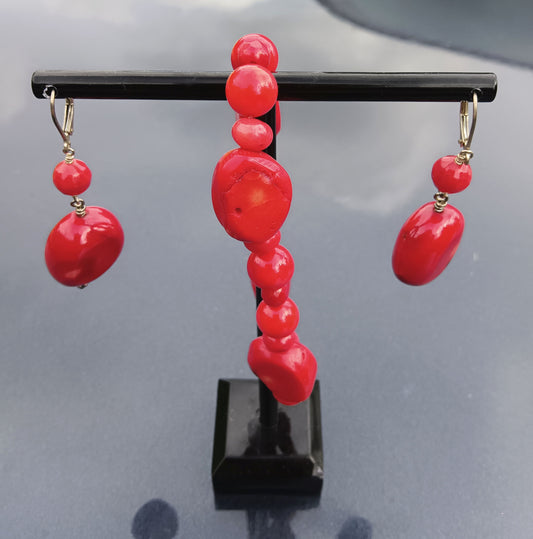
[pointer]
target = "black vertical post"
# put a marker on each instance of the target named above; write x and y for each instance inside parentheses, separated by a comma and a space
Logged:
(268, 405)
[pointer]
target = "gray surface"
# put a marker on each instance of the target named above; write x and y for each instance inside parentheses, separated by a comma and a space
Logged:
(490, 28)
(107, 396)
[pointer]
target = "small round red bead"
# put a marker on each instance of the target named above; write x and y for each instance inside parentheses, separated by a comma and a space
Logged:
(251, 90)
(281, 344)
(72, 178)
(275, 298)
(255, 49)
(449, 176)
(273, 270)
(264, 247)
(252, 134)
(279, 321)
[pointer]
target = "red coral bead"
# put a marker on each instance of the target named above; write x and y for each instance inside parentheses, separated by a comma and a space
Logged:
(264, 247)
(426, 244)
(80, 249)
(255, 49)
(278, 118)
(275, 298)
(252, 134)
(279, 321)
(272, 270)
(251, 90)
(290, 374)
(251, 195)
(450, 177)
(72, 178)
(280, 344)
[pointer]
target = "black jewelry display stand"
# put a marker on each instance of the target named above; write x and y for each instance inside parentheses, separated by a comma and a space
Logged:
(260, 447)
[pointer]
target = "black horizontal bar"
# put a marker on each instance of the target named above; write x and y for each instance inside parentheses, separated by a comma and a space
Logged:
(292, 86)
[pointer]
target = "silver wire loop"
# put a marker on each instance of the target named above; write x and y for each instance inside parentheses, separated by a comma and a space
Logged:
(79, 204)
(466, 133)
(441, 199)
(67, 128)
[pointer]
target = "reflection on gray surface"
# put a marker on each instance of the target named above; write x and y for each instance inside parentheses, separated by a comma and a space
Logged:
(488, 28)
(107, 395)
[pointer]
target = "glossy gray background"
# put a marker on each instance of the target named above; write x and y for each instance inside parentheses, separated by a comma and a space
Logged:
(107, 396)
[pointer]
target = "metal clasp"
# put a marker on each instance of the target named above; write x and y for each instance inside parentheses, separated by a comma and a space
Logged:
(67, 127)
(465, 132)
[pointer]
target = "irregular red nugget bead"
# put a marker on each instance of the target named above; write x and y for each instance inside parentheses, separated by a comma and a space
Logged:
(290, 375)
(251, 195)
(426, 244)
(80, 249)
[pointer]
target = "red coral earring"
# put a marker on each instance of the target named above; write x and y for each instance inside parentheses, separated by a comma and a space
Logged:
(86, 242)
(430, 237)
(251, 195)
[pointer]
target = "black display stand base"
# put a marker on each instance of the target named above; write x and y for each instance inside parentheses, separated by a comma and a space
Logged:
(249, 459)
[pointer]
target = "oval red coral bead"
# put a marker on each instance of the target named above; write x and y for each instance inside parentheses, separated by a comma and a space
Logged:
(252, 134)
(426, 244)
(449, 176)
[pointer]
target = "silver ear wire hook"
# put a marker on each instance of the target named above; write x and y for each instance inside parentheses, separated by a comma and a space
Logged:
(67, 128)
(466, 134)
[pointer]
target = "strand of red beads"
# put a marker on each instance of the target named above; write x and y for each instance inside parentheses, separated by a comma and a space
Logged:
(251, 195)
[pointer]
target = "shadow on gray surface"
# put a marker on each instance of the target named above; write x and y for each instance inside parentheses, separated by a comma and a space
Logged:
(356, 528)
(156, 519)
(489, 28)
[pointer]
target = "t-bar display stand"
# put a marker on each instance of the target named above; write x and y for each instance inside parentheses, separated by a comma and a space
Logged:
(260, 447)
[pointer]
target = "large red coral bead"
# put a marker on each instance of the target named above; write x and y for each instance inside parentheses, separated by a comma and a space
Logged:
(80, 249)
(426, 244)
(251, 195)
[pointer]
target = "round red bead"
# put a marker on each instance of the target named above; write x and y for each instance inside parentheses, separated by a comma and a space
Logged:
(252, 134)
(275, 298)
(255, 49)
(72, 178)
(272, 270)
(426, 244)
(281, 344)
(264, 247)
(449, 176)
(251, 90)
(80, 249)
(251, 195)
(279, 321)
(290, 374)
